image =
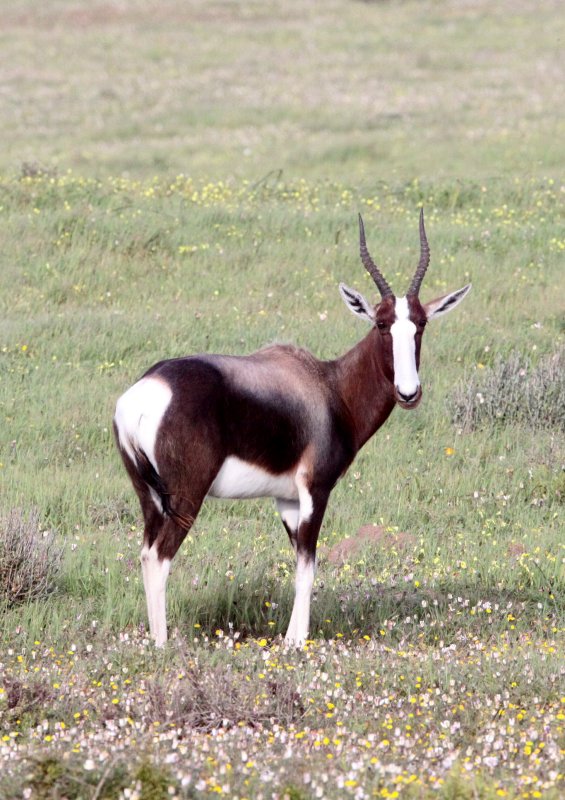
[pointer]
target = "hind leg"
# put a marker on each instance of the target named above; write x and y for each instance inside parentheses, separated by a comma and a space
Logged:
(171, 486)
(155, 573)
(155, 567)
(152, 572)
(163, 537)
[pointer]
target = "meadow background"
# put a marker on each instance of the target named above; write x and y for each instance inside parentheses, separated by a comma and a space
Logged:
(186, 177)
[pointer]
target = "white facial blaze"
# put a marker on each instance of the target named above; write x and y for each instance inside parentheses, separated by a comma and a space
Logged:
(403, 332)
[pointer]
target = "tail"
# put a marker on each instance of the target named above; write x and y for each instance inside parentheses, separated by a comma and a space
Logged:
(151, 477)
(138, 463)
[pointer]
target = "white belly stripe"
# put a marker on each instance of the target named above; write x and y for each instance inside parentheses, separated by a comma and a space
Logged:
(239, 479)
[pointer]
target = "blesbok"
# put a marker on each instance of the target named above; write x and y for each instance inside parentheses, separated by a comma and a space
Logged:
(277, 423)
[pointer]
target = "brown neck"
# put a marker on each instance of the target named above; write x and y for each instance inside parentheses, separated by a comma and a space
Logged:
(364, 388)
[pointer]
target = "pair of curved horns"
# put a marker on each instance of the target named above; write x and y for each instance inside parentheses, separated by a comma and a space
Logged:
(375, 272)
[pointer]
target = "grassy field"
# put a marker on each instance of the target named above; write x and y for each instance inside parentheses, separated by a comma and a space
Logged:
(179, 178)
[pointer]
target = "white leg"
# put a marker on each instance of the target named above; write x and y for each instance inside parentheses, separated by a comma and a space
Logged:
(309, 521)
(155, 573)
(145, 557)
(300, 619)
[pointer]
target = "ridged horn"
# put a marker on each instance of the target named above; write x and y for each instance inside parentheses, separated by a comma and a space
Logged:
(414, 287)
(370, 265)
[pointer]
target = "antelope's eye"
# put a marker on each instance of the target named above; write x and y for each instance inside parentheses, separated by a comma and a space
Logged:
(422, 324)
(382, 326)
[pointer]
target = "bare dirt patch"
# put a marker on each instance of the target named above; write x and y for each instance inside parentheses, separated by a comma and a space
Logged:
(368, 536)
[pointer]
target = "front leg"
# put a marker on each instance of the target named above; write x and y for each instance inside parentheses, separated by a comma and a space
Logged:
(312, 508)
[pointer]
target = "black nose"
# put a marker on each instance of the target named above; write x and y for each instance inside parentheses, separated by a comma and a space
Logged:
(407, 398)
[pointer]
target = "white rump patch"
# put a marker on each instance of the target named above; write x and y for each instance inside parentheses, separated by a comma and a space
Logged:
(403, 332)
(139, 412)
(238, 479)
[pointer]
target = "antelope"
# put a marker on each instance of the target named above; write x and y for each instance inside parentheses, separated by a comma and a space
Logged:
(276, 423)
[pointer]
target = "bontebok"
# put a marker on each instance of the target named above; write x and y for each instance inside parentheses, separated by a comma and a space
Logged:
(277, 423)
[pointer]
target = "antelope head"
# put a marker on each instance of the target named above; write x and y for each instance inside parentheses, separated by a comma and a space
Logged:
(400, 321)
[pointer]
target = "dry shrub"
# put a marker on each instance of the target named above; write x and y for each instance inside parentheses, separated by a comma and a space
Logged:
(27, 699)
(514, 390)
(222, 698)
(33, 169)
(30, 559)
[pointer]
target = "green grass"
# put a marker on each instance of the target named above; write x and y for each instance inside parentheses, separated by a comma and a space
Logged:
(186, 178)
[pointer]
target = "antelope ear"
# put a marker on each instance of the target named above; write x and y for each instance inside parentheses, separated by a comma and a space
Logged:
(357, 304)
(441, 305)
